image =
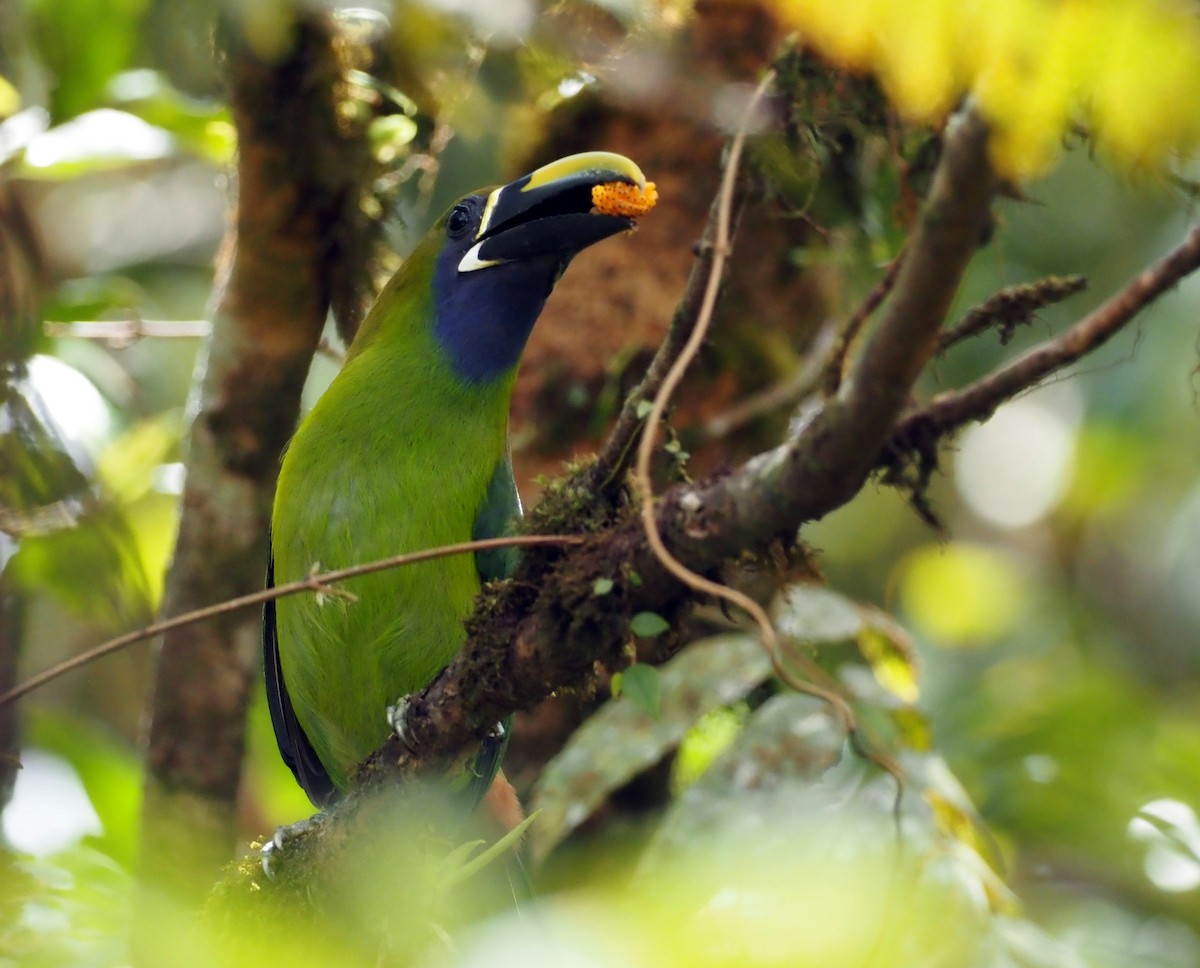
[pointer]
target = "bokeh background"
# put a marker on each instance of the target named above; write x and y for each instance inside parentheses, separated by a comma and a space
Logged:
(1056, 615)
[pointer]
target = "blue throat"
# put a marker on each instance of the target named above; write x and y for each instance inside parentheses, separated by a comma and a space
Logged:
(484, 317)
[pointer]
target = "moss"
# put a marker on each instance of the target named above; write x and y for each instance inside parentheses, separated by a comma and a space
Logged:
(568, 504)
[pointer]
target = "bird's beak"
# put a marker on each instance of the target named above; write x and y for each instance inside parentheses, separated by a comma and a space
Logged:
(552, 211)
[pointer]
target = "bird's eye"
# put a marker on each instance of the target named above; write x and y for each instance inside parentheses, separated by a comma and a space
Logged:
(459, 221)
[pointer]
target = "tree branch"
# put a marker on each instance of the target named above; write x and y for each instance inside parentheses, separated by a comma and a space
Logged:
(953, 409)
(546, 630)
(122, 332)
(845, 340)
(1011, 307)
(296, 159)
(607, 474)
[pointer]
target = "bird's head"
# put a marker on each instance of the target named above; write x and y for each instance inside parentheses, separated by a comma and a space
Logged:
(501, 251)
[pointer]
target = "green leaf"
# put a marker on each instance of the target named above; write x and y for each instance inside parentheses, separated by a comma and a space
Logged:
(788, 742)
(129, 462)
(95, 297)
(602, 586)
(640, 683)
(622, 740)
(93, 569)
(705, 741)
(83, 44)
(648, 625)
(461, 866)
(109, 769)
(813, 613)
(935, 788)
(643, 409)
(389, 134)
(71, 908)
(43, 484)
(203, 127)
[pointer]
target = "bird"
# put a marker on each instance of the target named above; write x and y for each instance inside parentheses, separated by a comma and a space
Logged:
(408, 449)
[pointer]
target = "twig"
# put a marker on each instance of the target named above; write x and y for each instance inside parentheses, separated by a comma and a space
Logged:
(837, 446)
(837, 361)
(313, 583)
(1011, 307)
(125, 331)
(641, 473)
(782, 394)
(444, 131)
(645, 452)
(607, 473)
(979, 400)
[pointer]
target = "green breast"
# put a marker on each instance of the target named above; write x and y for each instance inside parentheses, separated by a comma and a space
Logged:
(397, 456)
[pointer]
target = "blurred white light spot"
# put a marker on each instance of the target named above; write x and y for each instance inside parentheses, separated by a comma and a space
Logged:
(98, 224)
(729, 109)
(103, 134)
(50, 809)
(135, 85)
(365, 22)
(169, 478)
(1013, 470)
(557, 935)
(21, 130)
(1171, 832)
(568, 87)
(497, 20)
(1169, 871)
(1040, 768)
(73, 401)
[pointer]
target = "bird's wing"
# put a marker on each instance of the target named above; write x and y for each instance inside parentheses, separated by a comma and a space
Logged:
(501, 507)
(294, 747)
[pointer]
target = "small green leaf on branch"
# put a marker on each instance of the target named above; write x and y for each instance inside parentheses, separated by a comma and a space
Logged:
(648, 625)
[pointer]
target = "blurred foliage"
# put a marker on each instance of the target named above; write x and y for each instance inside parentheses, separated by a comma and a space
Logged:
(82, 45)
(68, 538)
(1129, 69)
(1042, 704)
(71, 909)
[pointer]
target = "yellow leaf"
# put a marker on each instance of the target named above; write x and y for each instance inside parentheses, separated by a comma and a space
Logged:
(892, 662)
(1128, 70)
(918, 66)
(10, 99)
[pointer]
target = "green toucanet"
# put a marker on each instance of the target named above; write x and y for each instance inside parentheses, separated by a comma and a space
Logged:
(408, 449)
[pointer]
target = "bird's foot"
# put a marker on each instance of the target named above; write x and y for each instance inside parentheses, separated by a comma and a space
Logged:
(274, 847)
(497, 732)
(397, 716)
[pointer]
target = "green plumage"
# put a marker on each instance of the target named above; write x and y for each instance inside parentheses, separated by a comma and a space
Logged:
(396, 456)
(407, 450)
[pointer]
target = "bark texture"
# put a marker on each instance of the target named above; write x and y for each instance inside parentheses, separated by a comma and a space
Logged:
(297, 186)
